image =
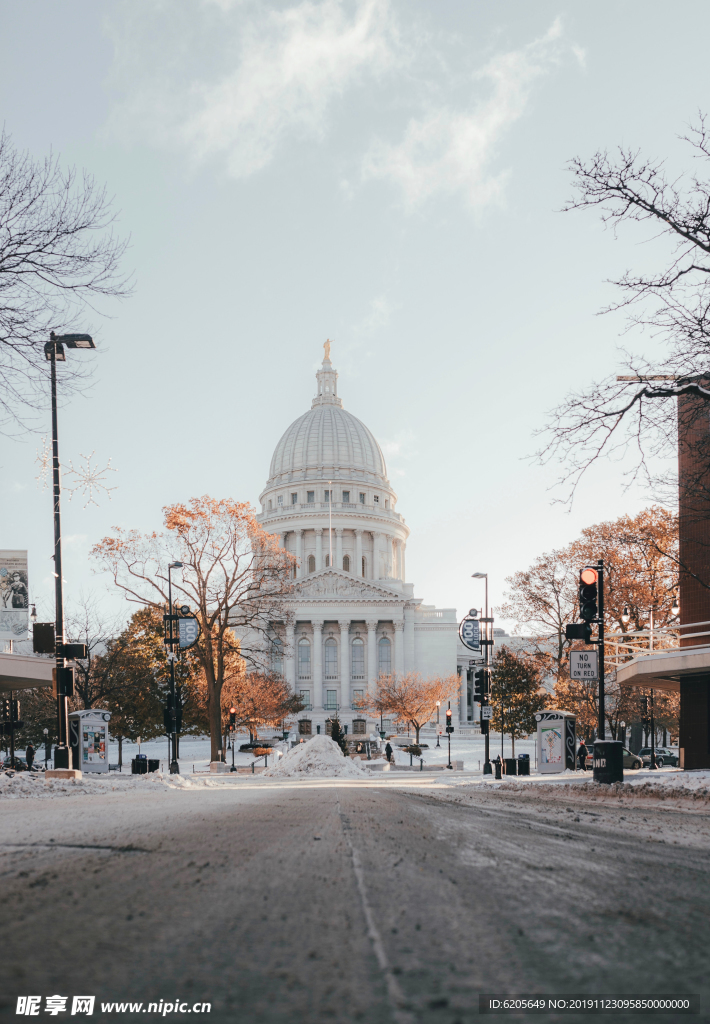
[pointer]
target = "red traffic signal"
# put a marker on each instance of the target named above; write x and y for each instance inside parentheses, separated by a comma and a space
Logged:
(588, 576)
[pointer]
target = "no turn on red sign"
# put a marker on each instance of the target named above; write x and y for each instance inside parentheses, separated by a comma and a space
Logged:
(584, 665)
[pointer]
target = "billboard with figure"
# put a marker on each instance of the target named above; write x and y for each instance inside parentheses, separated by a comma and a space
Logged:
(14, 596)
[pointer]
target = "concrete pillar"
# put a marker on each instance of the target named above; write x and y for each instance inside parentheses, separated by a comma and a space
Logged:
(409, 660)
(317, 663)
(299, 552)
(338, 547)
(290, 655)
(344, 663)
(372, 672)
(319, 548)
(399, 648)
(358, 552)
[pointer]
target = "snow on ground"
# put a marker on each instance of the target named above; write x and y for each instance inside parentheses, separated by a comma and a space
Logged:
(319, 756)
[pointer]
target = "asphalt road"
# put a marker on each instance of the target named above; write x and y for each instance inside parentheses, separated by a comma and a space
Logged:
(339, 902)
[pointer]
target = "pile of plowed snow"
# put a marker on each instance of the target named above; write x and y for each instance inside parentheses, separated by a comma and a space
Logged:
(319, 756)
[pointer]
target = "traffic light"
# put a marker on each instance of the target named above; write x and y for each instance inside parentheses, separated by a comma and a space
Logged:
(232, 719)
(644, 709)
(588, 594)
(449, 726)
(479, 685)
(5, 708)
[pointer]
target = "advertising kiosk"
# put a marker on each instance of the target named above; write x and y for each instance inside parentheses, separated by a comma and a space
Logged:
(88, 738)
(556, 741)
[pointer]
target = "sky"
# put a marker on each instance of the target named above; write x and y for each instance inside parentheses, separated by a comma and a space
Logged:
(389, 174)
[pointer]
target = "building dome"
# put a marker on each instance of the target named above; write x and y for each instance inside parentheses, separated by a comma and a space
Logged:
(327, 442)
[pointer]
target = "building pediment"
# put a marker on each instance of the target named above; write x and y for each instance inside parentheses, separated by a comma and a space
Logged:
(329, 584)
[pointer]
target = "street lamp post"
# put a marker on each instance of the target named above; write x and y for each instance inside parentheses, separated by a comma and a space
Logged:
(487, 768)
(174, 766)
(46, 747)
(54, 353)
(438, 708)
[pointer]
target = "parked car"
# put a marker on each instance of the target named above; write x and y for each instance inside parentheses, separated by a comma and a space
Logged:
(630, 760)
(645, 755)
(670, 756)
(20, 763)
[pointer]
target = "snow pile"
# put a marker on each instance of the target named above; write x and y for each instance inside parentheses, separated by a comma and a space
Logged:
(30, 784)
(676, 785)
(319, 756)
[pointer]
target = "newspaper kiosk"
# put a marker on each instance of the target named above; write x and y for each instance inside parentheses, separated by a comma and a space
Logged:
(88, 738)
(556, 741)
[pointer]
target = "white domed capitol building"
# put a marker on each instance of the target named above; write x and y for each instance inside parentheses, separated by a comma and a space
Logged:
(352, 615)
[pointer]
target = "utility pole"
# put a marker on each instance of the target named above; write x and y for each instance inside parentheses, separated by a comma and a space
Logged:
(601, 729)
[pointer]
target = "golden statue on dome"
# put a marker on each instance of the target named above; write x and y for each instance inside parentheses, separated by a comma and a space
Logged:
(326, 346)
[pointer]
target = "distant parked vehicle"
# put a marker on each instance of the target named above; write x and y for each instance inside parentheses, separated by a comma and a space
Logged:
(645, 755)
(630, 760)
(670, 756)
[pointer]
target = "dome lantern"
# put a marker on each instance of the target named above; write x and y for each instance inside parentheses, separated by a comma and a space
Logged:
(327, 378)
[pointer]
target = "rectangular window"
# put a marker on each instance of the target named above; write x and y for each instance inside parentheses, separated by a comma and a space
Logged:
(331, 700)
(306, 698)
(346, 497)
(280, 499)
(294, 498)
(358, 662)
(326, 495)
(331, 660)
(357, 697)
(376, 499)
(310, 497)
(304, 660)
(359, 727)
(362, 497)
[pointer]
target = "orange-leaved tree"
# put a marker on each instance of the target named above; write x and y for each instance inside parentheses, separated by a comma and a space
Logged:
(261, 699)
(234, 575)
(409, 698)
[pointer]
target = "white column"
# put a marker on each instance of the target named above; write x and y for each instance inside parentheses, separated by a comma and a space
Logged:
(358, 552)
(409, 665)
(463, 697)
(399, 648)
(339, 547)
(375, 567)
(319, 548)
(372, 672)
(317, 663)
(402, 550)
(344, 663)
(299, 552)
(398, 559)
(290, 655)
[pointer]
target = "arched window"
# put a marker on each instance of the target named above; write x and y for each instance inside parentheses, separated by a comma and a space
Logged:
(346, 563)
(311, 563)
(327, 561)
(385, 656)
(358, 659)
(277, 656)
(331, 659)
(364, 567)
(304, 658)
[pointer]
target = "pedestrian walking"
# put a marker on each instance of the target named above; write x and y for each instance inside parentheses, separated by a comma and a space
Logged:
(29, 754)
(388, 752)
(582, 754)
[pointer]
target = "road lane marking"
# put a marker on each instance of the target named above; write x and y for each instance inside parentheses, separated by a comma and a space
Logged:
(397, 999)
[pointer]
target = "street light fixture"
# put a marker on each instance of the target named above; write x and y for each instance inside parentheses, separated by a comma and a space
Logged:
(174, 766)
(54, 353)
(625, 616)
(487, 769)
(675, 608)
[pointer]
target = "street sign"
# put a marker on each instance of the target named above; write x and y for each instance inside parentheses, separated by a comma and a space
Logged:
(470, 633)
(188, 632)
(584, 665)
(486, 712)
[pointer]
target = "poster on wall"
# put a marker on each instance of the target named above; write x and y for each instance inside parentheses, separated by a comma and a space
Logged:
(14, 596)
(551, 744)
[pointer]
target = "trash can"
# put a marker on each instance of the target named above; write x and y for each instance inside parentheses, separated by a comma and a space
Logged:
(511, 766)
(608, 761)
(153, 764)
(139, 765)
(523, 764)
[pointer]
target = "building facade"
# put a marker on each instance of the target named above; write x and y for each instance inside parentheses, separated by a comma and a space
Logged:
(352, 614)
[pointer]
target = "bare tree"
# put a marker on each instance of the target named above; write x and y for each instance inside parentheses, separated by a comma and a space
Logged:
(636, 411)
(58, 255)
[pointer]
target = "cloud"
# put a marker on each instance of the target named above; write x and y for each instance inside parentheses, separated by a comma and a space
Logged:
(273, 74)
(451, 151)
